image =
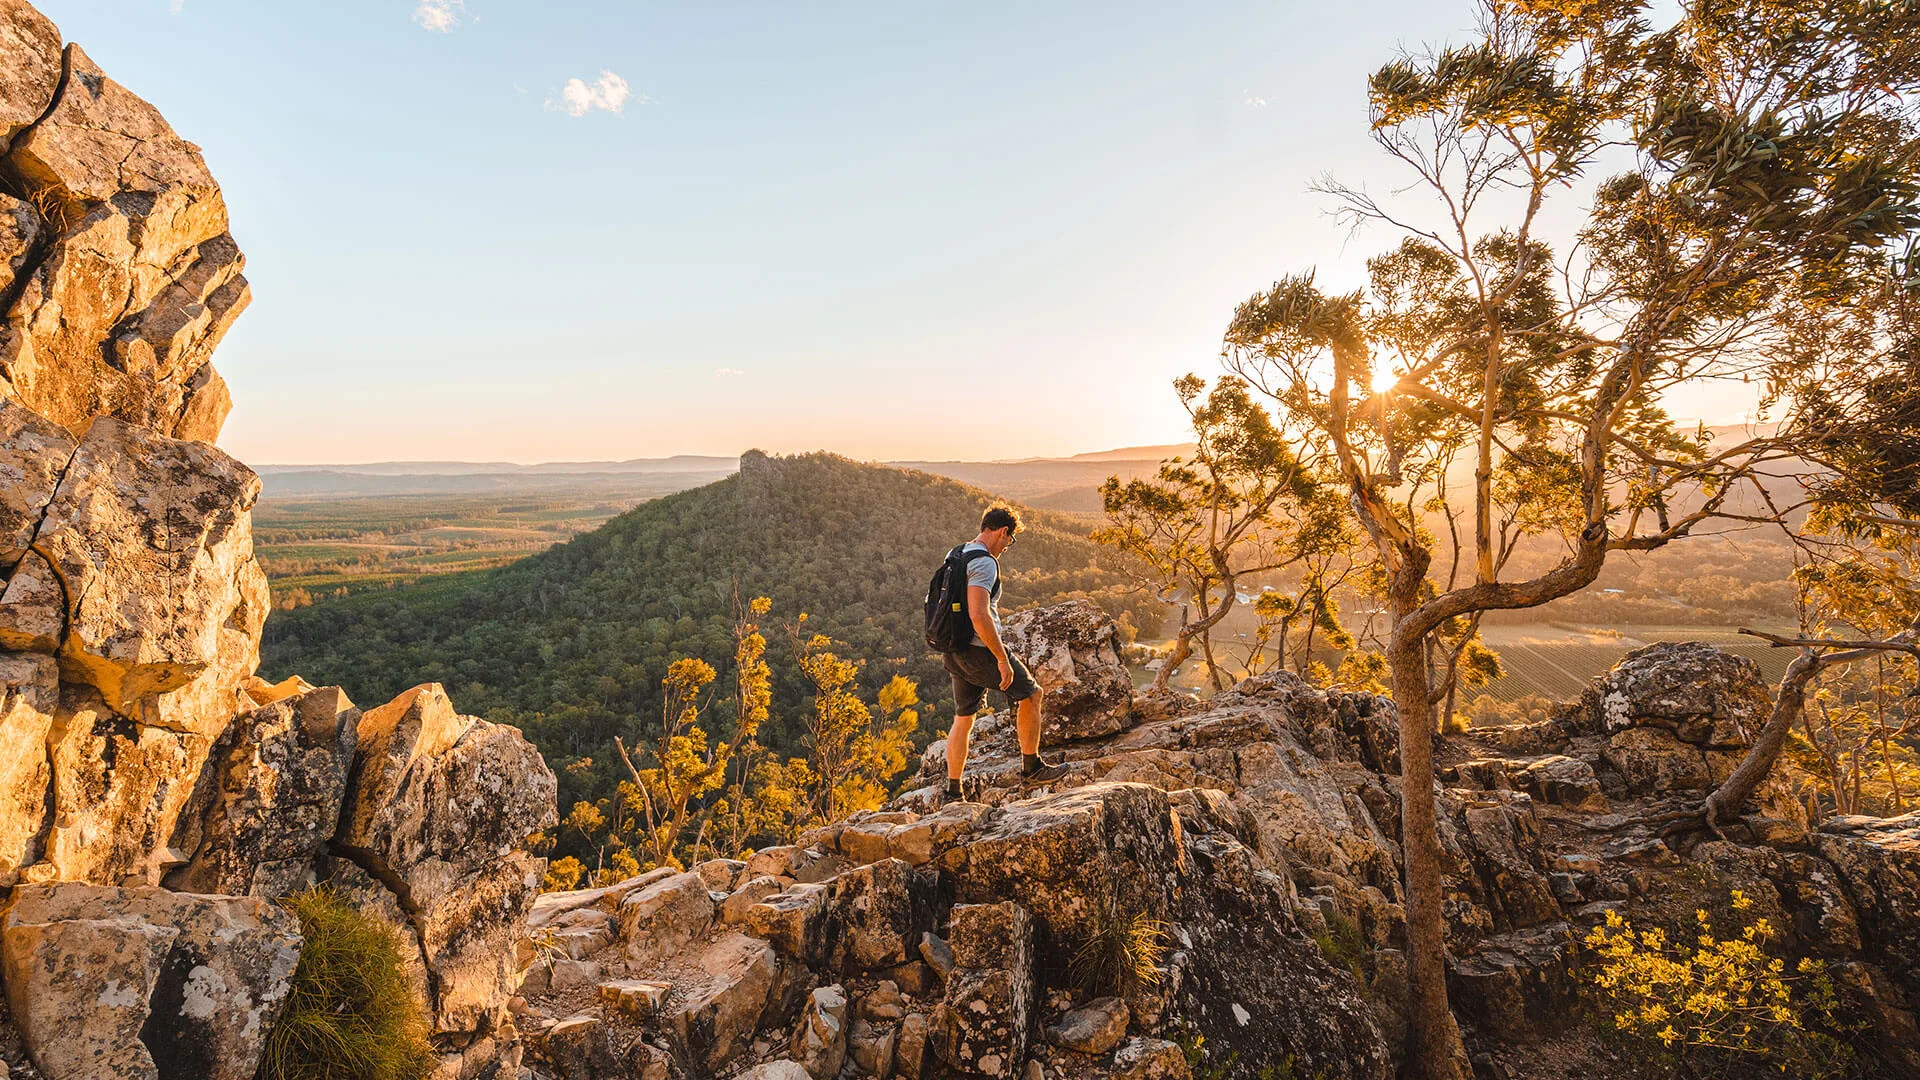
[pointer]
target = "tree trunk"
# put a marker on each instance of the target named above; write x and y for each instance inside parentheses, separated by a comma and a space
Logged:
(1431, 1037)
(1724, 804)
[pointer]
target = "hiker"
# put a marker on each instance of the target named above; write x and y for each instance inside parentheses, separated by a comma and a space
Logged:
(979, 660)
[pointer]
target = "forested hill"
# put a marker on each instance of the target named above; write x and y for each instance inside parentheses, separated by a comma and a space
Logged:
(570, 645)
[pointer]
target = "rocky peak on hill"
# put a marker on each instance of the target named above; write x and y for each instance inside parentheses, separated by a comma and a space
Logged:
(156, 797)
(1258, 832)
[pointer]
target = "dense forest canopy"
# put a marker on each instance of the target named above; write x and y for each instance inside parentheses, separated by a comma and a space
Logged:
(571, 645)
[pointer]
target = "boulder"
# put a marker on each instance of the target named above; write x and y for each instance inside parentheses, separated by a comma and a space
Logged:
(637, 999)
(78, 990)
(721, 875)
(981, 1023)
(777, 1070)
(877, 915)
(910, 1057)
(1073, 650)
(1150, 1059)
(553, 906)
(1564, 781)
(278, 776)
(870, 1047)
(716, 1021)
(142, 576)
(820, 1041)
(1093, 1028)
(581, 1048)
(206, 976)
(734, 909)
(436, 797)
(665, 917)
(794, 922)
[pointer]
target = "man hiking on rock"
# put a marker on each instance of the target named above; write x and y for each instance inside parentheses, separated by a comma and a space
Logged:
(984, 663)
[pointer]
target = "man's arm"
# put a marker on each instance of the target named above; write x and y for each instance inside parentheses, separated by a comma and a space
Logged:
(978, 606)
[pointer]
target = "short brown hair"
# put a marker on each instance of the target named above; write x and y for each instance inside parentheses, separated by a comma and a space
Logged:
(1000, 517)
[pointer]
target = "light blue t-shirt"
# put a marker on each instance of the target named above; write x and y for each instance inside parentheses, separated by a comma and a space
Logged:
(984, 573)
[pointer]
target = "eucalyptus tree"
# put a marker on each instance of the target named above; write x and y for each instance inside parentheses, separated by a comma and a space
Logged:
(1735, 177)
(1243, 505)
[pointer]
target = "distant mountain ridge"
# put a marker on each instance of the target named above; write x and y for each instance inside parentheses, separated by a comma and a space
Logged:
(676, 463)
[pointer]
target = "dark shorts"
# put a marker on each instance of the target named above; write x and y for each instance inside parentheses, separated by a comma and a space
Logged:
(975, 671)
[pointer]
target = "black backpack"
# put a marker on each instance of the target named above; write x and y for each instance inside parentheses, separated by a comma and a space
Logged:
(949, 627)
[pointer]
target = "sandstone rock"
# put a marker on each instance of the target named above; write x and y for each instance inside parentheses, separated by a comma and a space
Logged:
(716, 1022)
(1073, 650)
(721, 875)
(117, 793)
(663, 918)
(982, 1021)
(638, 999)
(870, 1047)
(29, 697)
(435, 797)
(551, 907)
(777, 1070)
(580, 1048)
(648, 1062)
(30, 63)
(1519, 985)
(937, 954)
(467, 940)
(278, 775)
(1093, 1028)
(120, 318)
(79, 991)
(1565, 781)
(794, 921)
(1706, 697)
(219, 970)
(734, 909)
(34, 452)
(1150, 1059)
(573, 974)
(150, 538)
(820, 1041)
(877, 914)
(910, 1058)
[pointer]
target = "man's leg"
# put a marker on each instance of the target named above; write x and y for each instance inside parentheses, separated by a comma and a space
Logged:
(1026, 723)
(957, 739)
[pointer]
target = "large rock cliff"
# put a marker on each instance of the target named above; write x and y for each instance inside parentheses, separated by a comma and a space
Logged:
(156, 797)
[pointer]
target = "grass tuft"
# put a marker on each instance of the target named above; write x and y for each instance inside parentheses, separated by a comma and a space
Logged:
(1123, 951)
(351, 1014)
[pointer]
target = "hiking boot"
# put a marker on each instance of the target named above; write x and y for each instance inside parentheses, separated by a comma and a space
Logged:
(1044, 773)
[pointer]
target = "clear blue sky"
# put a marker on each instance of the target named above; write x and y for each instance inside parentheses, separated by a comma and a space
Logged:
(892, 230)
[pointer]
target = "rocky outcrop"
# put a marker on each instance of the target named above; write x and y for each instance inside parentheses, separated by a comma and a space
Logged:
(156, 797)
(1073, 650)
(145, 982)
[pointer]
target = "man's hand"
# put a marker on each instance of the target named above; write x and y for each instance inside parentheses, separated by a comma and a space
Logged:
(1006, 673)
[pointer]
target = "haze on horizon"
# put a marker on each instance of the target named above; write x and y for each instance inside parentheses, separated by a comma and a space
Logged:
(491, 230)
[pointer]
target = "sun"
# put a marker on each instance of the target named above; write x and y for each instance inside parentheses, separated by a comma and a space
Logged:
(1385, 379)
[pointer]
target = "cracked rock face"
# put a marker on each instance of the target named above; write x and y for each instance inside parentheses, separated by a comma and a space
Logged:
(136, 744)
(119, 308)
(1073, 650)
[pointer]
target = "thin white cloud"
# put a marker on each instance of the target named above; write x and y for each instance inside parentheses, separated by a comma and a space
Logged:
(440, 16)
(1254, 100)
(727, 373)
(608, 93)
(174, 6)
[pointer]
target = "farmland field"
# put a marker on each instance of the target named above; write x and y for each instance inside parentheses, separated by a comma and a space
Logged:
(1557, 661)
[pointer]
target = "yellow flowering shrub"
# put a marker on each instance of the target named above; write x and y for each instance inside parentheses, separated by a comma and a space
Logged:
(1716, 1006)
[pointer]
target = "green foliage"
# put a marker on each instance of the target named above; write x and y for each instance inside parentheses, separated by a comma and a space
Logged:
(350, 1014)
(1202, 1064)
(1719, 1007)
(1344, 946)
(571, 645)
(1122, 951)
